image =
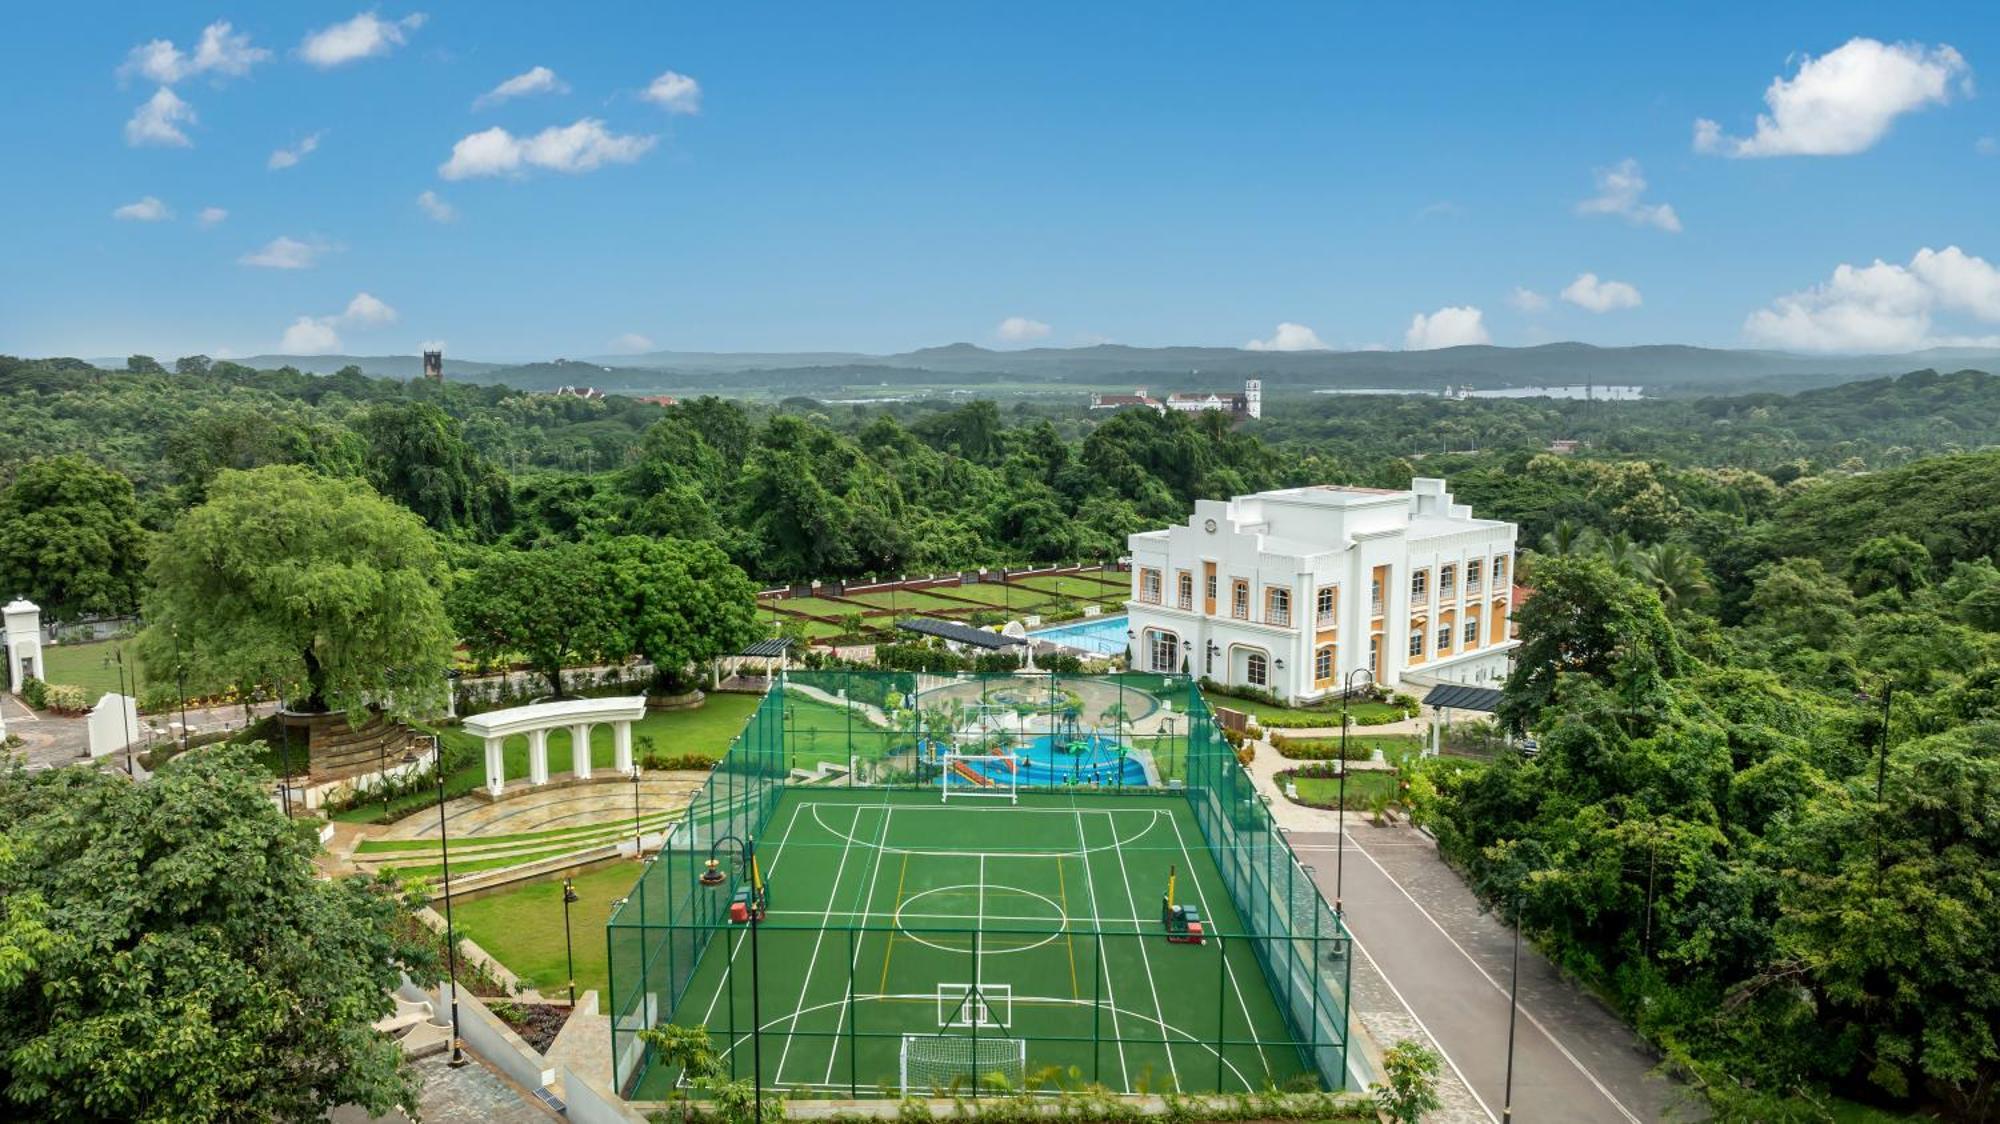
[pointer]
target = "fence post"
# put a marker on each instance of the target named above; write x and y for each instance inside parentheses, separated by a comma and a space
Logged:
(853, 1012)
(1097, 1000)
(1221, 1008)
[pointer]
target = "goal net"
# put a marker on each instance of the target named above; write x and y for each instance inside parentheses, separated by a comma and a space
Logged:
(948, 1063)
(980, 774)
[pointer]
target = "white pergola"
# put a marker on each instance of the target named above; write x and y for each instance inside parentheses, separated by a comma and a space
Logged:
(579, 715)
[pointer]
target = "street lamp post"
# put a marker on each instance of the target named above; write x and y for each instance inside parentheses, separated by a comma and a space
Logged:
(712, 877)
(1513, 1008)
(638, 841)
(1340, 837)
(118, 654)
(450, 929)
(569, 955)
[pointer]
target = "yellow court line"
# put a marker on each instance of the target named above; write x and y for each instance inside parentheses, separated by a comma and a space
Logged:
(890, 950)
(1069, 941)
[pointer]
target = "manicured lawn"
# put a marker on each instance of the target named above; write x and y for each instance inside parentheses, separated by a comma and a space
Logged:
(472, 845)
(1016, 598)
(523, 927)
(1362, 786)
(1315, 749)
(905, 601)
(705, 729)
(83, 665)
(812, 607)
(1263, 712)
(1085, 589)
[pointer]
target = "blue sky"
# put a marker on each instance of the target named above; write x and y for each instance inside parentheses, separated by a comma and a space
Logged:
(879, 177)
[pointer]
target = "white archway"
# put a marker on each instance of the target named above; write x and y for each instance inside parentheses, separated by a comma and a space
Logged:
(578, 715)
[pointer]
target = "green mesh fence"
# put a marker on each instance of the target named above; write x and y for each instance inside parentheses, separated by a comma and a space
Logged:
(902, 925)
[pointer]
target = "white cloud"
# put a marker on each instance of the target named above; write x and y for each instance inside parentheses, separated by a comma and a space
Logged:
(221, 51)
(1600, 296)
(631, 343)
(148, 209)
(211, 216)
(436, 208)
(675, 93)
(317, 335)
(367, 311)
(310, 335)
(286, 157)
(1883, 307)
(1844, 101)
(538, 80)
(363, 36)
(1618, 190)
(581, 147)
(1289, 337)
(1020, 329)
(284, 253)
(1442, 209)
(1453, 326)
(1527, 300)
(158, 121)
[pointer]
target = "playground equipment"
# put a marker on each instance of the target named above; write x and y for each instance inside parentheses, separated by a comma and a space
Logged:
(1182, 922)
(751, 899)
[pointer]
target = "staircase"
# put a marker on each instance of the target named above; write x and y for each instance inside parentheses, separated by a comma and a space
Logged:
(337, 750)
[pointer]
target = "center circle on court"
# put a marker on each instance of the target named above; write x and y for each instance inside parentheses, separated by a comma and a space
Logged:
(960, 907)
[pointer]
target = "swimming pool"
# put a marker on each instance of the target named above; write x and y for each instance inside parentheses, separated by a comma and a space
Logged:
(1046, 762)
(1100, 636)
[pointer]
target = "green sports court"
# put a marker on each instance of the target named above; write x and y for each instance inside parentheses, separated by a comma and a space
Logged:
(922, 938)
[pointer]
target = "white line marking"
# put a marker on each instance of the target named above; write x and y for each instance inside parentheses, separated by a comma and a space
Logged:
(1145, 957)
(833, 1055)
(831, 830)
(1525, 1013)
(1227, 967)
(1420, 1026)
(1100, 971)
(729, 968)
(833, 892)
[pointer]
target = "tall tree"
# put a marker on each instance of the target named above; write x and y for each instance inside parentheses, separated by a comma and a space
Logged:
(417, 455)
(551, 605)
(168, 951)
(318, 585)
(70, 539)
(1587, 619)
(679, 604)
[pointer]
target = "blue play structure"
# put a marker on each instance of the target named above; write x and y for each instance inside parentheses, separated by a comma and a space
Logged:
(1053, 761)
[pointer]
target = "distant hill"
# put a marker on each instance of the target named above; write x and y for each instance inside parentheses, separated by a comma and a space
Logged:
(1663, 369)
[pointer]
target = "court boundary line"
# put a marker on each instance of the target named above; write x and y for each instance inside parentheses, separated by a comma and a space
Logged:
(1102, 972)
(831, 830)
(729, 967)
(1145, 954)
(854, 964)
(833, 892)
(1222, 951)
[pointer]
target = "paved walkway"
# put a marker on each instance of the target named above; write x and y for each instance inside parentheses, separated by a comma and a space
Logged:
(49, 741)
(1434, 967)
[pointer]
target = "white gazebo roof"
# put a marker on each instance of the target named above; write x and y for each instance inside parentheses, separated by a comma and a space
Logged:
(549, 715)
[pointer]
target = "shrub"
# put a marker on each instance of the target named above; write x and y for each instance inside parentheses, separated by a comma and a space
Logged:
(64, 698)
(35, 693)
(1410, 1088)
(1321, 749)
(678, 761)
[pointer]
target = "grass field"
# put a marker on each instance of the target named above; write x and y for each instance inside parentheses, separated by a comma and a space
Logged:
(1391, 746)
(705, 729)
(1363, 785)
(83, 665)
(1264, 712)
(1014, 598)
(1080, 588)
(522, 927)
(904, 601)
(885, 908)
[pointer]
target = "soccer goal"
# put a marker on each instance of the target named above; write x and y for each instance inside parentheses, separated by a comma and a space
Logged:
(951, 1062)
(980, 774)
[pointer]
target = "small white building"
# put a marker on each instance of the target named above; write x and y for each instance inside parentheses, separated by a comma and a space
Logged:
(23, 636)
(1290, 590)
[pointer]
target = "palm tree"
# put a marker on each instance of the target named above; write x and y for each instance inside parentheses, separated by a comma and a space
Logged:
(1674, 571)
(1566, 539)
(1622, 553)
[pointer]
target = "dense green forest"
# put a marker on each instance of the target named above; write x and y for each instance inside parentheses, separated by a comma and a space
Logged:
(1762, 661)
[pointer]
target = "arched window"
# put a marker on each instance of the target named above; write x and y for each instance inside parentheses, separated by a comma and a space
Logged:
(1164, 649)
(1257, 670)
(1323, 664)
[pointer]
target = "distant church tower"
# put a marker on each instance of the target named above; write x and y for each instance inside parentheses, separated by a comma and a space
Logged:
(1253, 397)
(434, 366)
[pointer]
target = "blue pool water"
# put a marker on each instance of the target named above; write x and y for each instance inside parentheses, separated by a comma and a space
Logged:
(1044, 763)
(1102, 636)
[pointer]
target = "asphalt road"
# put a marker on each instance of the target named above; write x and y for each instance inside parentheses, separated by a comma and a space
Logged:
(1449, 965)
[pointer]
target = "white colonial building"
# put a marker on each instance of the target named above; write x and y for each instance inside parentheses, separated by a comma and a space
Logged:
(1291, 590)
